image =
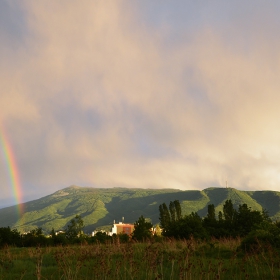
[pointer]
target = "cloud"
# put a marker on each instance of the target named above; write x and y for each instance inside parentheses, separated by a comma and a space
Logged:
(93, 96)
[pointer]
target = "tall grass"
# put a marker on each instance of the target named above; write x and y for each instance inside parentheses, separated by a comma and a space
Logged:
(169, 259)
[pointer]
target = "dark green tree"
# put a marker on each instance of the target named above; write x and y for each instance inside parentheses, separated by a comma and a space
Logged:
(169, 217)
(36, 232)
(75, 228)
(164, 216)
(58, 238)
(229, 211)
(35, 238)
(9, 237)
(247, 219)
(100, 237)
(220, 216)
(172, 211)
(178, 209)
(189, 226)
(227, 221)
(211, 215)
(210, 222)
(142, 229)
(123, 237)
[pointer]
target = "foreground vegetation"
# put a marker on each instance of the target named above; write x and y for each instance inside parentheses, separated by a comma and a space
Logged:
(236, 243)
(160, 259)
(74, 255)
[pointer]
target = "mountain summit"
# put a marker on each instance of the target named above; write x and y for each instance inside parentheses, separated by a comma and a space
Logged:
(101, 207)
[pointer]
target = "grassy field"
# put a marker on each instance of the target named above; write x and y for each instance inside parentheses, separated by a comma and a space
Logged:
(159, 260)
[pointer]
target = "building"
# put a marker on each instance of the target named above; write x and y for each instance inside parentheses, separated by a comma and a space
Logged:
(122, 228)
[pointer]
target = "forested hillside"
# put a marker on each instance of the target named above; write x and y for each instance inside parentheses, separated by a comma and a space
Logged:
(100, 207)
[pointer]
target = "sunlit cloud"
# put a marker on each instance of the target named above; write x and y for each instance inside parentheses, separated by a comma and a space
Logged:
(99, 94)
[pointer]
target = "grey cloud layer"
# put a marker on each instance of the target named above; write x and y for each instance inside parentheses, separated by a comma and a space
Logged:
(92, 96)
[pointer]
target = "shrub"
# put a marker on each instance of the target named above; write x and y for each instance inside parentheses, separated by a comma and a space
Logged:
(259, 239)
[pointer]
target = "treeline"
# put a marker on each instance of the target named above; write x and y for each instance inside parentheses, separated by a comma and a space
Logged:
(34, 238)
(72, 234)
(253, 226)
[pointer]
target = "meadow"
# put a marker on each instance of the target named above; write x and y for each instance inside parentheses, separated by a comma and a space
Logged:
(161, 259)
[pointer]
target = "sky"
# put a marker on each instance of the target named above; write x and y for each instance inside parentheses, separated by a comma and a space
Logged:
(143, 94)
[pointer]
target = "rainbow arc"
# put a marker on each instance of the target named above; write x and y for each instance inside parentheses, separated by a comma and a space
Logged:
(13, 172)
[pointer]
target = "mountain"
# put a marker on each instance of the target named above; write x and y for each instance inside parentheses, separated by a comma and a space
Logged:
(100, 207)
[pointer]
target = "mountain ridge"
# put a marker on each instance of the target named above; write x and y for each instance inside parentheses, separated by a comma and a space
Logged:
(100, 207)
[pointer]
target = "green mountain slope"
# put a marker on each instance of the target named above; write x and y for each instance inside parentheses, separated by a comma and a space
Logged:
(100, 207)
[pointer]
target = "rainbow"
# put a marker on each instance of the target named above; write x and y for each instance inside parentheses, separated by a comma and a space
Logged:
(12, 169)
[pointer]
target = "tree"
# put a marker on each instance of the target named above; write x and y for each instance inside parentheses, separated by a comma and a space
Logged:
(178, 209)
(100, 237)
(9, 237)
(172, 211)
(36, 232)
(58, 238)
(35, 238)
(142, 229)
(210, 222)
(189, 226)
(75, 227)
(229, 211)
(175, 210)
(247, 219)
(211, 212)
(220, 216)
(164, 216)
(169, 218)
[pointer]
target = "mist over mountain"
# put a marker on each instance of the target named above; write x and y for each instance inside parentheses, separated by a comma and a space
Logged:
(100, 207)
